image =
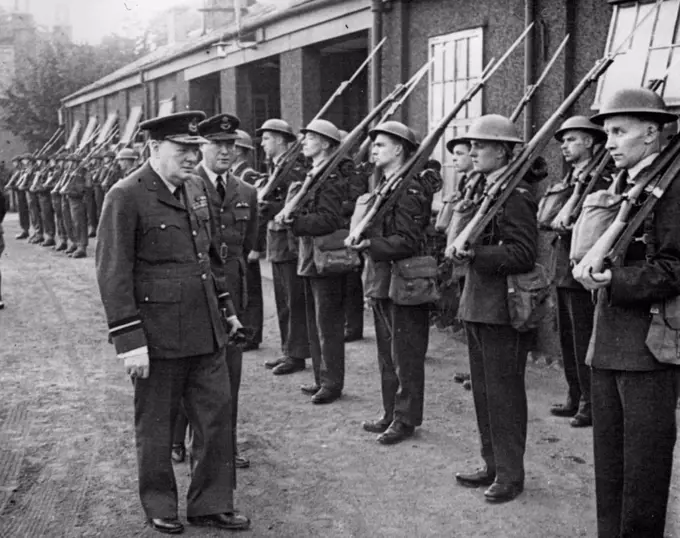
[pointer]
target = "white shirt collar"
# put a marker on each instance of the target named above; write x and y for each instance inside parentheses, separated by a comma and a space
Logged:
(633, 171)
(578, 168)
(212, 176)
(172, 188)
(493, 176)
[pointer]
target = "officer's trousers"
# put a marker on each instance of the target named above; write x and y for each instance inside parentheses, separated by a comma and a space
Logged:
(253, 316)
(402, 335)
(325, 302)
(354, 304)
(68, 221)
(91, 210)
(22, 209)
(78, 211)
(634, 430)
(47, 214)
(34, 213)
(289, 293)
(202, 384)
(575, 314)
(59, 217)
(498, 359)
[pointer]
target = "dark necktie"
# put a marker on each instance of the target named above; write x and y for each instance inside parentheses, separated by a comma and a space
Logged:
(622, 182)
(220, 188)
(178, 194)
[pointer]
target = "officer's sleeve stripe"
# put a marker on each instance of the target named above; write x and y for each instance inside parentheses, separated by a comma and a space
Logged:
(124, 325)
(224, 295)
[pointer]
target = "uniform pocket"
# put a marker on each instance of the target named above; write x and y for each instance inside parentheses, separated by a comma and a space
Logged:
(160, 236)
(159, 307)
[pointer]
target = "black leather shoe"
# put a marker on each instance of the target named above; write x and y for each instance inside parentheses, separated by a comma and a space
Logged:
(479, 478)
(241, 462)
(167, 525)
(324, 396)
(92, 233)
(560, 410)
(353, 336)
(21, 235)
(78, 253)
(71, 249)
(502, 492)
(581, 421)
(272, 363)
(251, 346)
(231, 521)
(61, 246)
(310, 389)
(48, 243)
(395, 433)
(178, 453)
(2, 305)
(376, 426)
(461, 377)
(289, 366)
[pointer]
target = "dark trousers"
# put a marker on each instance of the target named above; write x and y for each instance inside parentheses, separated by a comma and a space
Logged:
(402, 334)
(354, 303)
(234, 357)
(634, 434)
(47, 214)
(34, 213)
(91, 209)
(22, 209)
(325, 298)
(98, 200)
(253, 316)
(68, 221)
(575, 311)
(289, 293)
(202, 384)
(59, 217)
(498, 359)
(78, 211)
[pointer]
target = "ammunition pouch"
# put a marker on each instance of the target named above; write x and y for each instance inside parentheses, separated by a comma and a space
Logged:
(414, 281)
(599, 211)
(332, 257)
(663, 337)
(529, 299)
(549, 206)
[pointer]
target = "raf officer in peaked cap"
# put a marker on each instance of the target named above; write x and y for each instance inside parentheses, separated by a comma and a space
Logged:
(168, 316)
(234, 205)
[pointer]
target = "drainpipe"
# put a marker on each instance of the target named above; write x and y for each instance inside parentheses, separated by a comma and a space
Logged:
(529, 66)
(376, 64)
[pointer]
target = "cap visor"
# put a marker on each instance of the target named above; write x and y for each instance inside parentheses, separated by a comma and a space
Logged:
(187, 140)
(220, 137)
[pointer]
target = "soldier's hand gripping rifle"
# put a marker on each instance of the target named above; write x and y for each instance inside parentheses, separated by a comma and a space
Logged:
(289, 158)
(388, 193)
(498, 194)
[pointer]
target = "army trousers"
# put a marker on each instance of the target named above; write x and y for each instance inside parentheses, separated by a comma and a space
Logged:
(98, 193)
(34, 215)
(91, 210)
(68, 221)
(402, 335)
(59, 217)
(289, 293)
(22, 209)
(47, 215)
(325, 302)
(253, 315)
(634, 431)
(202, 384)
(78, 210)
(575, 314)
(498, 359)
(354, 304)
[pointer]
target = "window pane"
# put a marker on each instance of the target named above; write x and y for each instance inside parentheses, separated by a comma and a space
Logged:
(665, 25)
(437, 102)
(475, 56)
(672, 90)
(643, 35)
(625, 22)
(436, 70)
(656, 65)
(450, 96)
(461, 59)
(450, 61)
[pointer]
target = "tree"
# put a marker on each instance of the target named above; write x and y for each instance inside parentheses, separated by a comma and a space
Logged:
(53, 70)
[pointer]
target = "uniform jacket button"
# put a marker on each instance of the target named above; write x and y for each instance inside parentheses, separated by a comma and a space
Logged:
(194, 233)
(223, 226)
(162, 226)
(204, 276)
(146, 299)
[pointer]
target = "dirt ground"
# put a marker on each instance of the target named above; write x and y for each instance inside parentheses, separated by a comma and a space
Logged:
(67, 461)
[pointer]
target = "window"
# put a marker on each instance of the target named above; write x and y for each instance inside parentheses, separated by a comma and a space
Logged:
(88, 135)
(131, 125)
(108, 126)
(166, 106)
(73, 136)
(457, 66)
(653, 49)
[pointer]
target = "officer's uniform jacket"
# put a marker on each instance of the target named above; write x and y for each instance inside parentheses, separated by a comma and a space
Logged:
(236, 223)
(153, 262)
(507, 246)
(321, 215)
(650, 274)
(281, 244)
(246, 174)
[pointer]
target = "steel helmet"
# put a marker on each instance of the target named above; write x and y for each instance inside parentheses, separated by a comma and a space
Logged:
(324, 128)
(454, 142)
(397, 130)
(127, 153)
(343, 134)
(277, 126)
(244, 140)
(581, 123)
(635, 102)
(493, 128)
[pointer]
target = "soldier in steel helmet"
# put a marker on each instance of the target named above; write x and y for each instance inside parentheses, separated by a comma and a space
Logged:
(324, 294)
(289, 291)
(22, 199)
(633, 394)
(57, 205)
(253, 315)
(170, 315)
(34, 213)
(402, 332)
(578, 138)
(498, 352)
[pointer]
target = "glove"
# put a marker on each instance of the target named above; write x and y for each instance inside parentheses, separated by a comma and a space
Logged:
(253, 256)
(235, 330)
(137, 363)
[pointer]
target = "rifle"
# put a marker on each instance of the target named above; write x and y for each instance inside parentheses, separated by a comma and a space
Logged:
(14, 178)
(387, 194)
(571, 210)
(48, 145)
(533, 88)
(289, 158)
(63, 186)
(498, 194)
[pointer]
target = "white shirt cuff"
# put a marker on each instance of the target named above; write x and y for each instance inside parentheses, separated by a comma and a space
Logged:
(144, 350)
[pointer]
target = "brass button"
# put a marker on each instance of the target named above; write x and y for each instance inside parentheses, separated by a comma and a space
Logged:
(146, 299)
(223, 226)
(204, 276)
(162, 226)
(194, 233)
(200, 255)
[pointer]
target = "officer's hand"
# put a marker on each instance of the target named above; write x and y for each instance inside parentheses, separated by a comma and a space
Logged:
(138, 366)
(234, 325)
(253, 256)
